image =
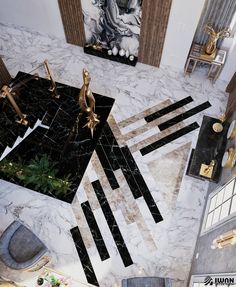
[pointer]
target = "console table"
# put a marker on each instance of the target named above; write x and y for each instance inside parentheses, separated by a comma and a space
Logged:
(196, 56)
(210, 146)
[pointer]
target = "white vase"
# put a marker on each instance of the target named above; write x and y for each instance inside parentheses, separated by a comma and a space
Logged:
(109, 52)
(127, 54)
(114, 51)
(122, 52)
(131, 57)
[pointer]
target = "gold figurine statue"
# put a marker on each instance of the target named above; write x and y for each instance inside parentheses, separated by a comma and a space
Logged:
(88, 107)
(210, 48)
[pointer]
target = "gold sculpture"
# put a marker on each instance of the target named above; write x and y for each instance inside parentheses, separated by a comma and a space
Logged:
(207, 170)
(210, 47)
(97, 46)
(6, 92)
(86, 93)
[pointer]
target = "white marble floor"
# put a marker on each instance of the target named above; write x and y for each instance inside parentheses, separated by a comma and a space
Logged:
(164, 249)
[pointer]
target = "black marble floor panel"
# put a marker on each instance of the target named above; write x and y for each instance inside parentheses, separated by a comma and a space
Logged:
(106, 166)
(107, 143)
(168, 109)
(169, 138)
(184, 116)
(84, 257)
(97, 236)
(142, 185)
(122, 162)
(67, 144)
(112, 224)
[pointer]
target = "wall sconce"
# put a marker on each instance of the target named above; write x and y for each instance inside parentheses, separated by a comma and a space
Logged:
(225, 240)
(232, 130)
(229, 158)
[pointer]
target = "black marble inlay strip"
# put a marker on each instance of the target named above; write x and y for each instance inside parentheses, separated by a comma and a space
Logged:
(108, 149)
(84, 257)
(168, 109)
(142, 185)
(133, 185)
(184, 116)
(115, 231)
(97, 236)
(169, 138)
(106, 166)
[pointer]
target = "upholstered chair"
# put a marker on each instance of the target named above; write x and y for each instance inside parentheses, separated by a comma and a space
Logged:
(21, 249)
(146, 282)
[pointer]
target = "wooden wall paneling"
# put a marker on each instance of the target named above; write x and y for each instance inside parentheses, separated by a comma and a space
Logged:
(232, 84)
(72, 19)
(5, 77)
(155, 16)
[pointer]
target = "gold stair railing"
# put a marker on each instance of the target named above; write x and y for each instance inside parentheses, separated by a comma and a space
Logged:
(6, 93)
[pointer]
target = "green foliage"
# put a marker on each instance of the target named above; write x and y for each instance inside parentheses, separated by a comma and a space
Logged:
(40, 173)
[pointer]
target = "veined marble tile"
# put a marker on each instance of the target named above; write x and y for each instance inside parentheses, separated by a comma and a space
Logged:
(155, 137)
(143, 114)
(143, 137)
(133, 126)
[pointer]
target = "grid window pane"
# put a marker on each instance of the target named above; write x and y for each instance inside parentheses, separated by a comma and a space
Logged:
(229, 190)
(233, 205)
(216, 215)
(213, 203)
(225, 209)
(209, 219)
(220, 197)
(221, 205)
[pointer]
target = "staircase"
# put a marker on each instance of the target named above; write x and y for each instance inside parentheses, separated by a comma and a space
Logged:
(33, 99)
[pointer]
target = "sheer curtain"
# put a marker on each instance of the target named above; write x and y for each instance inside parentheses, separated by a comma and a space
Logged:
(217, 12)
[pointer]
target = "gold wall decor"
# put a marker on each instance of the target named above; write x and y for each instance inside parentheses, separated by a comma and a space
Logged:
(232, 130)
(229, 158)
(6, 92)
(49, 76)
(88, 107)
(214, 36)
(225, 240)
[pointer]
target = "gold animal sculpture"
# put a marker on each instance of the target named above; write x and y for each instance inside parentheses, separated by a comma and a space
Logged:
(210, 47)
(88, 107)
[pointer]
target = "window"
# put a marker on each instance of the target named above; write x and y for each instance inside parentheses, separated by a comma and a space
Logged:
(221, 204)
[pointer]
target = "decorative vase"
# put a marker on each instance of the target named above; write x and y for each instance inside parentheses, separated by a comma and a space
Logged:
(114, 51)
(109, 52)
(131, 57)
(122, 52)
(127, 54)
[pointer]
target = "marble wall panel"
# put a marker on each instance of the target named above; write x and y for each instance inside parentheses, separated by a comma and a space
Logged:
(113, 23)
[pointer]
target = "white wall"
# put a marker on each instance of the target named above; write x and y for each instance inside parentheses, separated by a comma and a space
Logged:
(230, 65)
(37, 15)
(183, 21)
